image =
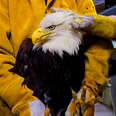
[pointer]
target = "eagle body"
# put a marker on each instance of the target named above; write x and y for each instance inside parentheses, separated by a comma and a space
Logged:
(55, 68)
(58, 76)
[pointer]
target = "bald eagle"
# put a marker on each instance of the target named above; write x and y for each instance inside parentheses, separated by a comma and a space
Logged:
(52, 62)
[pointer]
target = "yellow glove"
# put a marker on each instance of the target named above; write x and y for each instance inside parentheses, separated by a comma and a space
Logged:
(103, 26)
(82, 103)
(80, 21)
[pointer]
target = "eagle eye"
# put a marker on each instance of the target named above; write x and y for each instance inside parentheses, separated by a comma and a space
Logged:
(52, 27)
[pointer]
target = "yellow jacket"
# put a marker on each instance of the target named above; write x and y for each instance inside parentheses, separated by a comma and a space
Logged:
(18, 19)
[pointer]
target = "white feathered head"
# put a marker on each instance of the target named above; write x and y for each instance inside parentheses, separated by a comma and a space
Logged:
(57, 33)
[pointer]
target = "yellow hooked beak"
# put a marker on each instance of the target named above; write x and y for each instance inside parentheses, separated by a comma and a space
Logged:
(39, 36)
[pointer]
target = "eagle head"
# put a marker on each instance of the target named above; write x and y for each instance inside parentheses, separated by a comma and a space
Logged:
(57, 33)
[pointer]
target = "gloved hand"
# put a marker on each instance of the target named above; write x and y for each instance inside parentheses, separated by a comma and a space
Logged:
(94, 25)
(82, 103)
(80, 21)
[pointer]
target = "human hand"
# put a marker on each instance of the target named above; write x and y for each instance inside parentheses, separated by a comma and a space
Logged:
(82, 103)
(80, 21)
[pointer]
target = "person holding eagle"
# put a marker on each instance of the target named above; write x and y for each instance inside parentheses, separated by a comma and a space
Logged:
(16, 25)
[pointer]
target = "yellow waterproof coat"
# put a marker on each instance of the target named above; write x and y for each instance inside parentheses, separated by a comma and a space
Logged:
(18, 20)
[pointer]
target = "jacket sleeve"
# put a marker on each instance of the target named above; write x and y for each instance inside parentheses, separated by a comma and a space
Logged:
(97, 65)
(103, 26)
(84, 7)
(99, 53)
(18, 97)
